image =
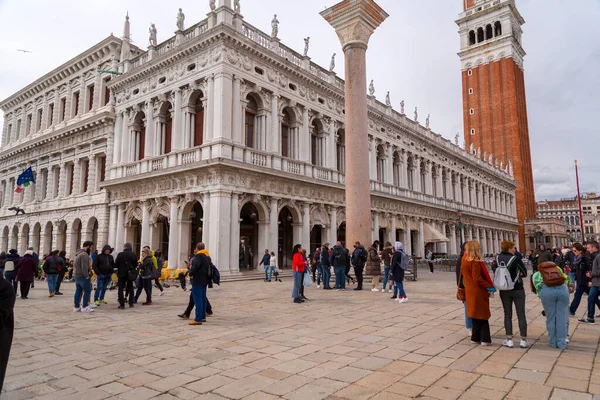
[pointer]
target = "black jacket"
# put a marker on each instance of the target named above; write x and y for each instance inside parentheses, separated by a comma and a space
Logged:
(325, 257)
(338, 257)
(359, 261)
(199, 270)
(514, 268)
(104, 264)
(126, 260)
(146, 268)
(396, 270)
(584, 266)
(53, 265)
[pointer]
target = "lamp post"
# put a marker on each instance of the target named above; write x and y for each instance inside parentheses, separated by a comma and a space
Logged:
(460, 225)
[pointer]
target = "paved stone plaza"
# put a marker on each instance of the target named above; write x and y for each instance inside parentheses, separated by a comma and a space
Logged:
(259, 345)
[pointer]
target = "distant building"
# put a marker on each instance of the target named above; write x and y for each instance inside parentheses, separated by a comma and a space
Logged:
(550, 232)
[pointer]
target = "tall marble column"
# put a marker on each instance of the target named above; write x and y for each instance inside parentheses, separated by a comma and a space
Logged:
(149, 122)
(333, 226)
(273, 225)
(453, 247)
(220, 229)
(119, 229)
(389, 164)
(421, 250)
(304, 145)
(408, 237)
(125, 137)
(173, 233)
(375, 231)
(145, 236)
(234, 265)
(237, 125)
(275, 134)
(306, 227)
(112, 227)
(372, 158)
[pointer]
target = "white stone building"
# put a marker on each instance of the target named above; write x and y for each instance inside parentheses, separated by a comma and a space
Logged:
(225, 135)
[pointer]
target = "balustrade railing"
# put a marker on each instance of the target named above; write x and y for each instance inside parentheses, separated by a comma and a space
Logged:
(258, 159)
(189, 157)
(256, 35)
(157, 164)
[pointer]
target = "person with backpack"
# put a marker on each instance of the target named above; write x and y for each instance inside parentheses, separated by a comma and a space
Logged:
(51, 268)
(10, 268)
(359, 258)
(399, 264)
(103, 266)
(550, 284)
(338, 261)
(509, 272)
(478, 289)
(582, 264)
(326, 266)
(215, 279)
(387, 254)
(374, 265)
(126, 264)
(63, 269)
(594, 284)
(200, 276)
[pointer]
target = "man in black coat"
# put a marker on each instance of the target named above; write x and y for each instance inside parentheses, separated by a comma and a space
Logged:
(7, 324)
(126, 261)
(199, 279)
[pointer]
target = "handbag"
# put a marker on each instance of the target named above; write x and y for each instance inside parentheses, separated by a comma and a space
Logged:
(307, 280)
(461, 294)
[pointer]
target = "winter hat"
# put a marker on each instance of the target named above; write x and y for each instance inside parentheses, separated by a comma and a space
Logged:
(29, 252)
(399, 246)
(127, 246)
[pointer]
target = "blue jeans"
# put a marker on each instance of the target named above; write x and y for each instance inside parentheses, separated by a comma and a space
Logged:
(271, 271)
(298, 276)
(199, 295)
(555, 300)
(572, 276)
(82, 285)
(340, 277)
(267, 277)
(592, 300)
(326, 276)
(386, 275)
(319, 274)
(468, 320)
(51, 279)
(139, 283)
(102, 281)
(399, 290)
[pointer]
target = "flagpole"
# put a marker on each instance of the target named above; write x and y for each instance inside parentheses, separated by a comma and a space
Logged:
(579, 201)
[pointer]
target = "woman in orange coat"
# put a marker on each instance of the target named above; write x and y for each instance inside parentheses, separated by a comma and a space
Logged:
(478, 287)
(298, 265)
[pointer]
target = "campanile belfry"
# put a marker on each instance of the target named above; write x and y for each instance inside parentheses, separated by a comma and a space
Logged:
(494, 103)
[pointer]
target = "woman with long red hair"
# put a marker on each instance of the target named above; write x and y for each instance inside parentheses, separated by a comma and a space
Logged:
(478, 288)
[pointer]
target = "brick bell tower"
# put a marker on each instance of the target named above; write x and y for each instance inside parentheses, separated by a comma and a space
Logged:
(494, 104)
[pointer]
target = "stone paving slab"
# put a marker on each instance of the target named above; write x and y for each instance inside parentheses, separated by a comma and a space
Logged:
(261, 346)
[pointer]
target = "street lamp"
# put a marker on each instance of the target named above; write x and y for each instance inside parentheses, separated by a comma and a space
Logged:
(460, 225)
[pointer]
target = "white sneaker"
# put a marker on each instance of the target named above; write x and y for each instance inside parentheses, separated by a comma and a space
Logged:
(508, 343)
(88, 309)
(162, 292)
(524, 344)
(398, 299)
(318, 286)
(567, 340)
(374, 290)
(405, 299)
(77, 309)
(470, 332)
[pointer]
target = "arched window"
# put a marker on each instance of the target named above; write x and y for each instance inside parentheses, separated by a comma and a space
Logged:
(498, 28)
(250, 128)
(198, 122)
(380, 163)
(480, 36)
(139, 136)
(165, 128)
(340, 143)
(489, 32)
(285, 134)
(472, 39)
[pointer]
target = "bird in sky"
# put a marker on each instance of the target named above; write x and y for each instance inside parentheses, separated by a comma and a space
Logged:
(24, 51)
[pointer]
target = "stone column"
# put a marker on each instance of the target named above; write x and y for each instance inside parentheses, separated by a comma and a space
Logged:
(119, 230)
(273, 225)
(220, 229)
(112, 227)
(306, 227)
(372, 158)
(417, 183)
(173, 231)
(237, 125)
(76, 177)
(56, 110)
(209, 111)
(125, 137)
(145, 239)
(453, 247)
(62, 177)
(355, 22)
(223, 106)
(304, 145)
(149, 140)
(421, 251)
(116, 153)
(275, 133)
(392, 233)
(333, 225)
(234, 265)
(375, 231)
(408, 237)
(389, 165)
(177, 132)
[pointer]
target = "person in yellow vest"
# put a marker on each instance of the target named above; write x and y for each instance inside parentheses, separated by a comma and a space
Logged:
(140, 282)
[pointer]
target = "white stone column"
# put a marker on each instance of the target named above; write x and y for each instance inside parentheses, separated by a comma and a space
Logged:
(333, 226)
(234, 245)
(177, 132)
(392, 230)
(145, 236)
(331, 158)
(389, 165)
(306, 227)
(173, 255)
(150, 124)
(408, 238)
(56, 110)
(273, 225)
(93, 178)
(112, 227)
(118, 132)
(421, 251)
(237, 126)
(223, 107)
(375, 230)
(220, 229)
(45, 110)
(403, 176)
(120, 229)
(304, 148)
(417, 183)
(210, 110)
(275, 136)
(125, 138)
(453, 248)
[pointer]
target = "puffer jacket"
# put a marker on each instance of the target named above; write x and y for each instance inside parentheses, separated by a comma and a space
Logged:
(374, 262)
(27, 269)
(387, 254)
(147, 268)
(104, 264)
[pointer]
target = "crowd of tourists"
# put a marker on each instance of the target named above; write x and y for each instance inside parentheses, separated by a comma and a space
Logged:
(555, 276)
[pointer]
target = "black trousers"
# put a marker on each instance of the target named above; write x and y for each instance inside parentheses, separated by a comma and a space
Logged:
(61, 276)
(158, 285)
(517, 297)
(358, 271)
(481, 331)
(25, 286)
(127, 285)
(190, 307)
(7, 327)
(431, 267)
(302, 286)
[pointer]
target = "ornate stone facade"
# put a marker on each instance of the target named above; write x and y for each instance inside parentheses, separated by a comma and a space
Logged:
(223, 134)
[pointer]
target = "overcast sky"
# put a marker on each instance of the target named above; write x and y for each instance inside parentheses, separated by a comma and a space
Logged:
(413, 55)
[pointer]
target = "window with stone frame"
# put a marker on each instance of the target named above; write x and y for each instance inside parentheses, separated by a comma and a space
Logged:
(285, 134)
(381, 158)
(28, 122)
(250, 123)
(38, 120)
(75, 104)
(90, 98)
(50, 114)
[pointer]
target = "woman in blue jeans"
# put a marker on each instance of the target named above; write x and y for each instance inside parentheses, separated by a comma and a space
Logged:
(298, 266)
(555, 300)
